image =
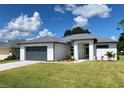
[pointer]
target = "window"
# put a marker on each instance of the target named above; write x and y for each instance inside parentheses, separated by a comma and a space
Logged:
(102, 46)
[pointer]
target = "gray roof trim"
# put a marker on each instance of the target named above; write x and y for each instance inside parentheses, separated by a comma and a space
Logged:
(87, 37)
(84, 39)
(108, 42)
(46, 39)
(39, 42)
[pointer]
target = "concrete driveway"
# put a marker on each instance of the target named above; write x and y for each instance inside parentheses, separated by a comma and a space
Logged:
(16, 64)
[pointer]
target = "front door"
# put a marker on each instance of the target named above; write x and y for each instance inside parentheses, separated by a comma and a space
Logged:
(86, 51)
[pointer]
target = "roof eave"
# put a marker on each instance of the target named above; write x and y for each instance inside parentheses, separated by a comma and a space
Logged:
(83, 39)
(109, 42)
(40, 42)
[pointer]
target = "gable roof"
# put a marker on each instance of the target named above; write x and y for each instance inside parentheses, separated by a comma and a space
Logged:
(46, 39)
(89, 37)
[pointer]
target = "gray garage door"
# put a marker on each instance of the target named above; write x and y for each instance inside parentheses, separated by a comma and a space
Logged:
(36, 53)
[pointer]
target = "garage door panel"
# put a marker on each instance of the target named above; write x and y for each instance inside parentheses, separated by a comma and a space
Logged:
(36, 53)
(38, 48)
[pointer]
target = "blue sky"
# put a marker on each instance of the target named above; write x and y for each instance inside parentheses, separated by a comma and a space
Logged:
(57, 21)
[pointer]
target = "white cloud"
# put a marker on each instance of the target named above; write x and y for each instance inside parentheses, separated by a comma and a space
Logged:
(43, 33)
(84, 12)
(79, 21)
(58, 8)
(46, 32)
(21, 26)
(88, 11)
(113, 38)
(25, 23)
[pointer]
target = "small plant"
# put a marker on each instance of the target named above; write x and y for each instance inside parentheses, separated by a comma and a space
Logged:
(110, 55)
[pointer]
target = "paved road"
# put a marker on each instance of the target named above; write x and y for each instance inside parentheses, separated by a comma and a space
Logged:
(16, 64)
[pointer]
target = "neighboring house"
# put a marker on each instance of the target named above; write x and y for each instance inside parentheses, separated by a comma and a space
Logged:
(82, 46)
(9, 48)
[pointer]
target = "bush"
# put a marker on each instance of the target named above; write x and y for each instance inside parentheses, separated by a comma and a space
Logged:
(11, 57)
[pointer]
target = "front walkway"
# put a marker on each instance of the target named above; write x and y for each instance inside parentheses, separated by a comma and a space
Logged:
(16, 64)
(81, 60)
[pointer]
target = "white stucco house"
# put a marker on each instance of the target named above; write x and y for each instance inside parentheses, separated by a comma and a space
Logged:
(82, 46)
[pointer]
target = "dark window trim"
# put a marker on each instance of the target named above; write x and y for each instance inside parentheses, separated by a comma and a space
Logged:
(102, 46)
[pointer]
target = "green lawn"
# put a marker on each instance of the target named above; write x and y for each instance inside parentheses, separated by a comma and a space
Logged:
(85, 74)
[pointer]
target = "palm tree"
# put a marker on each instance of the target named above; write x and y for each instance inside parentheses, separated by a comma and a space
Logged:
(110, 55)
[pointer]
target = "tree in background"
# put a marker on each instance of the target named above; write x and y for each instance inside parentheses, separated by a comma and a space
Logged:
(121, 44)
(76, 30)
(121, 38)
(67, 33)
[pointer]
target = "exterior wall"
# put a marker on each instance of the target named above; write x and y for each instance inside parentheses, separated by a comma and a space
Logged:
(50, 54)
(101, 52)
(76, 52)
(22, 52)
(77, 48)
(61, 51)
(91, 50)
(4, 53)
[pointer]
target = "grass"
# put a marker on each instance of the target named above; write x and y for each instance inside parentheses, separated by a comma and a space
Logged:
(73, 75)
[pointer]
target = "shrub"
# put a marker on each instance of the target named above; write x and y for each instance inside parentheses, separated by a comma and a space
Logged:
(11, 57)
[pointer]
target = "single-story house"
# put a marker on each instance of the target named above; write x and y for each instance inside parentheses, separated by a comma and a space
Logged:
(9, 48)
(81, 46)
